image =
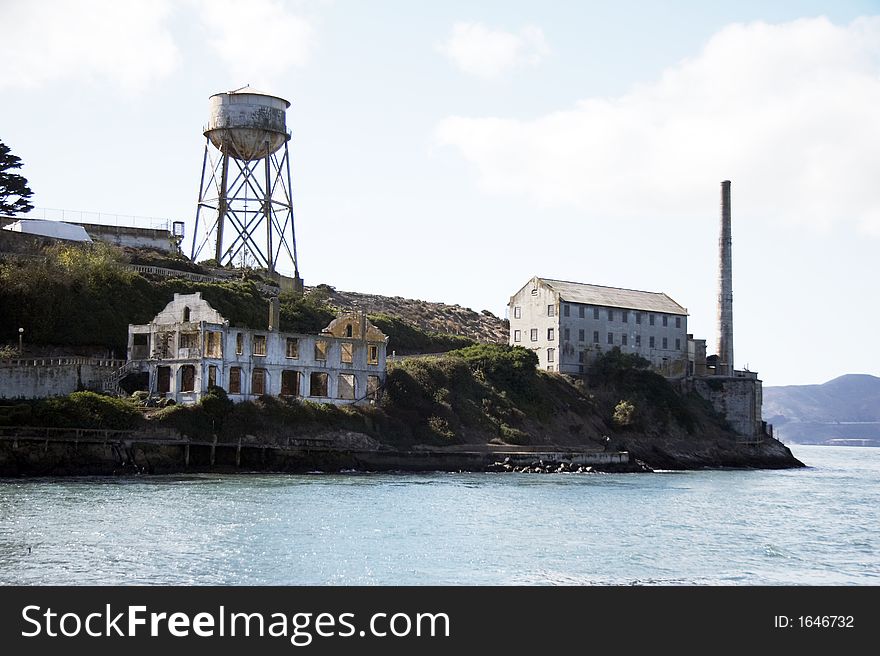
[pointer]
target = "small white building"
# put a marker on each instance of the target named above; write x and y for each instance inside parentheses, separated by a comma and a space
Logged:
(53, 229)
(569, 323)
(189, 346)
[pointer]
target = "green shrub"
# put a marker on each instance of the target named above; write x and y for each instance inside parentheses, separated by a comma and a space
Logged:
(513, 435)
(86, 410)
(440, 428)
(508, 367)
(16, 415)
(623, 414)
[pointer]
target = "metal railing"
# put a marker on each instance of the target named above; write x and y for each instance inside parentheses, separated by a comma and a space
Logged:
(61, 362)
(55, 433)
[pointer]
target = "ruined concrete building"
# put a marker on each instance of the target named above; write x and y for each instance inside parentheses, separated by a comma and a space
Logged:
(189, 346)
(569, 323)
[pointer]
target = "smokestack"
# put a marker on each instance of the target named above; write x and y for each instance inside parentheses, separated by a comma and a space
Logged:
(274, 313)
(725, 288)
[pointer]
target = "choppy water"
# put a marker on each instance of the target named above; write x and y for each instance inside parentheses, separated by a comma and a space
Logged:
(812, 526)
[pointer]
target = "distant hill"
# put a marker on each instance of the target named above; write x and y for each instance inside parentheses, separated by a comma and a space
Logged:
(845, 410)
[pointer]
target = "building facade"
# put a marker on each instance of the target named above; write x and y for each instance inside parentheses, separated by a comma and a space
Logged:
(189, 346)
(568, 324)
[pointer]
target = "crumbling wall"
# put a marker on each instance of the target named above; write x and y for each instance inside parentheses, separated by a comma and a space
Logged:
(737, 399)
(33, 379)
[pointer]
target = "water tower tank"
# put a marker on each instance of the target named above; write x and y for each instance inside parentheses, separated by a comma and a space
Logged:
(247, 124)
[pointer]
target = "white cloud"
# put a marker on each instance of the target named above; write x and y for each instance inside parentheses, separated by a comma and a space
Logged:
(126, 43)
(481, 51)
(788, 112)
(259, 40)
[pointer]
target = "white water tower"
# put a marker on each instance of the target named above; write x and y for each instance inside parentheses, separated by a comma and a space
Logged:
(245, 204)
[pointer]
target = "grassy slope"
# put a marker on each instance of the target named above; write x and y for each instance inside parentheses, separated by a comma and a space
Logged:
(78, 297)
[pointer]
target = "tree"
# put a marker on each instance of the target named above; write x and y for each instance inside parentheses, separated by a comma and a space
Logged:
(14, 191)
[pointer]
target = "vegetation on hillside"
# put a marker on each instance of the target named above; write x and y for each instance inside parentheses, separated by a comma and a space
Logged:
(406, 339)
(635, 398)
(85, 296)
(77, 410)
(481, 394)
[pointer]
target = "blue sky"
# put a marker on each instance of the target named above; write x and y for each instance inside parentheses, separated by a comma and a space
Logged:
(449, 151)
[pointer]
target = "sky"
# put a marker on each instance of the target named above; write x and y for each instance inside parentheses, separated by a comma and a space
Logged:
(450, 151)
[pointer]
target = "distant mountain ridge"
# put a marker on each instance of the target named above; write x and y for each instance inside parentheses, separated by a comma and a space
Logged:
(845, 410)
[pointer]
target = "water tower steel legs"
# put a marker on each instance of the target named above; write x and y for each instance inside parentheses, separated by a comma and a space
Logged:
(267, 211)
(222, 208)
(237, 224)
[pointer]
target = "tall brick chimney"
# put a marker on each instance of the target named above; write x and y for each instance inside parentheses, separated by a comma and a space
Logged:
(725, 288)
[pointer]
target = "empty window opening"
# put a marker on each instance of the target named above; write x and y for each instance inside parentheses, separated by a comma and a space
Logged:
(345, 387)
(235, 380)
(140, 346)
(259, 345)
(318, 384)
(372, 354)
(373, 387)
(189, 340)
(258, 382)
(321, 350)
(163, 380)
(213, 344)
(348, 330)
(239, 343)
(212, 375)
(292, 348)
(187, 378)
(185, 314)
(289, 383)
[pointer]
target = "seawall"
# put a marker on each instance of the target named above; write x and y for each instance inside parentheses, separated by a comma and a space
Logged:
(59, 452)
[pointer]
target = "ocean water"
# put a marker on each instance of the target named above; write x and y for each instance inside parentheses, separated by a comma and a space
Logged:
(814, 526)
